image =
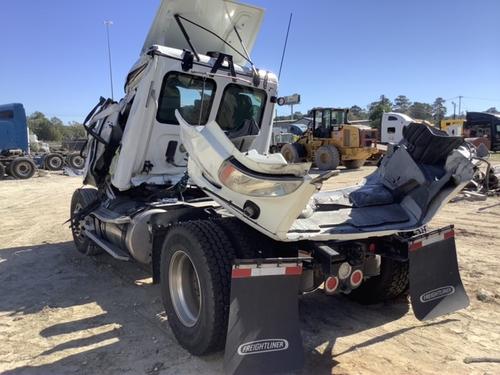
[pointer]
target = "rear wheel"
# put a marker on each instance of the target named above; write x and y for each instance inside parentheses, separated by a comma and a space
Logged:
(391, 283)
(353, 164)
(195, 284)
(54, 162)
(76, 161)
(327, 158)
(293, 152)
(22, 168)
(2, 171)
(81, 199)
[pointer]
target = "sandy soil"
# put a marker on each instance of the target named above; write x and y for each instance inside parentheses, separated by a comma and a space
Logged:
(63, 313)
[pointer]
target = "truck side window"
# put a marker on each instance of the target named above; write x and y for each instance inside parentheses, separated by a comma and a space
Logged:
(392, 118)
(191, 95)
(241, 109)
(391, 130)
(6, 115)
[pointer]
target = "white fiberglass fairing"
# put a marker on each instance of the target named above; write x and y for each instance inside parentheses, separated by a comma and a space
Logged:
(208, 149)
(283, 201)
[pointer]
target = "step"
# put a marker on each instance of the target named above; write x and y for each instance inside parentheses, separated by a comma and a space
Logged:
(107, 246)
(108, 216)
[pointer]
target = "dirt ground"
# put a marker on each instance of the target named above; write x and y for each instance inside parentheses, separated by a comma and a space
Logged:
(63, 313)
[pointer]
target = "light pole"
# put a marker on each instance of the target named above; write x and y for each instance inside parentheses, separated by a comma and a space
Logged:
(108, 24)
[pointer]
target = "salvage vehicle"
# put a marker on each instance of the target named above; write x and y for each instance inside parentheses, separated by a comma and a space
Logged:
(331, 140)
(178, 177)
(15, 160)
(20, 152)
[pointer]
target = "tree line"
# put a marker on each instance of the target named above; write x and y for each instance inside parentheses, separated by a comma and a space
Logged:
(434, 112)
(53, 129)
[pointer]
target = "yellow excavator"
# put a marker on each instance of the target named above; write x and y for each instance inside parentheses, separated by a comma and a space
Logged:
(331, 140)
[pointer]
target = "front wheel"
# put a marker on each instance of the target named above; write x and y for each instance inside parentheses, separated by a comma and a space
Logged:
(327, 158)
(195, 284)
(81, 199)
(22, 168)
(293, 152)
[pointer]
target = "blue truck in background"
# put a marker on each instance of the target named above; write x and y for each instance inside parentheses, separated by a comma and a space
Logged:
(16, 158)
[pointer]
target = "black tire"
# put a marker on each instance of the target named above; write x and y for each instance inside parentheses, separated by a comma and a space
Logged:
(22, 168)
(75, 161)
(249, 243)
(81, 199)
(2, 171)
(327, 158)
(391, 283)
(354, 164)
(210, 255)
(293, 152)
(54, 162)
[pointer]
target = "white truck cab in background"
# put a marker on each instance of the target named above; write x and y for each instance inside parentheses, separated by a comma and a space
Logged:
(391, 128)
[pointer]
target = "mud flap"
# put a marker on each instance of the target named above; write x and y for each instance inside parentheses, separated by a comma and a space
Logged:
(263, 333)
(435, 285)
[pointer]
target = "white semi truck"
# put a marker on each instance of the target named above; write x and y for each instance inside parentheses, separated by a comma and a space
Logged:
(178, 177)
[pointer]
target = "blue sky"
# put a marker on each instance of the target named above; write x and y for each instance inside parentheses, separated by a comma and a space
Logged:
(340, 53)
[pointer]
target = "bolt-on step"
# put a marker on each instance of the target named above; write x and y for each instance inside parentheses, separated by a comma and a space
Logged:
(108, 216)
(111, 249)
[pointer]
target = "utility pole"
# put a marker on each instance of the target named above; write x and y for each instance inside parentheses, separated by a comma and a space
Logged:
(460, 105)
(108, 24)
(454, 109)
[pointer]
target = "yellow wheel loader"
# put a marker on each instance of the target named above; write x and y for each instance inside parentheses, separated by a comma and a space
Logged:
(331, 140)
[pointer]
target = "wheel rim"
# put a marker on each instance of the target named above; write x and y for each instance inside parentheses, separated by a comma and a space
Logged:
(77, 226)
(55, 162)
(78, 161)
(185, 290)
(23, 169)
(324, 158)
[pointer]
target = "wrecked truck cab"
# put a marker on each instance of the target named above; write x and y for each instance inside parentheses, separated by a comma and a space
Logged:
(181, 181)
(282, 201)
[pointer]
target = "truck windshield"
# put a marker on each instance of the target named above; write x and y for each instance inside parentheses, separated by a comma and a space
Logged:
(191, 95)
(241, 109)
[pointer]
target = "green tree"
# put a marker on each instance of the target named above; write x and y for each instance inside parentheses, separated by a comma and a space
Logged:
(492, 110)
(402, 104)
(357, 113)
(421, 111)
(43, 127)
(74, 130)
(376, 109)
(438, 110)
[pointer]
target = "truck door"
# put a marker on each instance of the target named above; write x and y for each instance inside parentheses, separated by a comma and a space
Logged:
(6, 117)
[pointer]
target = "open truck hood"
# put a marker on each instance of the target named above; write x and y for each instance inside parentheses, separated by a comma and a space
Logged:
(218, 16)
(413, 182)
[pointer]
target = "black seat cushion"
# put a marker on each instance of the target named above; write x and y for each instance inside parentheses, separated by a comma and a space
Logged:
(428, 145)
(371, 195)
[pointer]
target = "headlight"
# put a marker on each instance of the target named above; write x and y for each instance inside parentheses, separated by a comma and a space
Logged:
(243, 181)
